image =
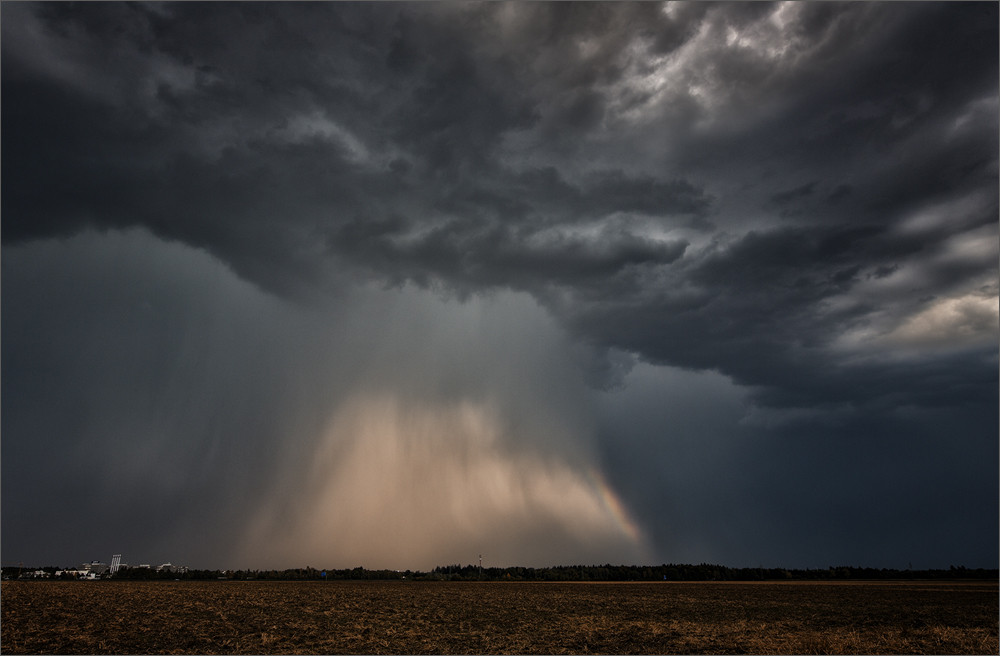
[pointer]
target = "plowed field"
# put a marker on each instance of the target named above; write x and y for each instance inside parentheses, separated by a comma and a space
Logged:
(462, 617)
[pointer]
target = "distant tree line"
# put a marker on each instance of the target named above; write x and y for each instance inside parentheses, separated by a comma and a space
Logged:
(297, 574)
(703, 572)
(607, 572)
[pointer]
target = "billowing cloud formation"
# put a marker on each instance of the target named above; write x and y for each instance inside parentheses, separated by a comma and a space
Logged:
(801, 198)
(733, 171)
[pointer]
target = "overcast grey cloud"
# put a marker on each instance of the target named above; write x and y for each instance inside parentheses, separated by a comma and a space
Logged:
(725, 274)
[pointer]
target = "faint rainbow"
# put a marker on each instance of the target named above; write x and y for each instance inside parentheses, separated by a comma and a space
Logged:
(614, 506)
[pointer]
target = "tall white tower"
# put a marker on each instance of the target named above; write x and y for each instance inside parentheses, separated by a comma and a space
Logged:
(116, 562)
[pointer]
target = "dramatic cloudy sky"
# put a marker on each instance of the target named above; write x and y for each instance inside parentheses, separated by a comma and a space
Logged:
(396, 285)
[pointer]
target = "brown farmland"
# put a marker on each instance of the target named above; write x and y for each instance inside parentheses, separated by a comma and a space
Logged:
(462, 617)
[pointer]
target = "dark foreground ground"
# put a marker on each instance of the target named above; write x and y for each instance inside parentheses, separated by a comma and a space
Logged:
(442, 617)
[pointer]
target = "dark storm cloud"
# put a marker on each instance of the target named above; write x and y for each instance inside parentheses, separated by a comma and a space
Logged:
(277, 137)
(156, 402)
(799, 192)
(137, 400)
(801, 197)
(807, 490)
(166, 152)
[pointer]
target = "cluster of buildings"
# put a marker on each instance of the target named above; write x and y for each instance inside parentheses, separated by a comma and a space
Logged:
(95, 570)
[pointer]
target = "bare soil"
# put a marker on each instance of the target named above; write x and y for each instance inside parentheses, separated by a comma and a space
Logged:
(496, 617)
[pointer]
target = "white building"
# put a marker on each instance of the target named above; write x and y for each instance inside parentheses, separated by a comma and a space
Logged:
(95, 567)
(173, 569)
